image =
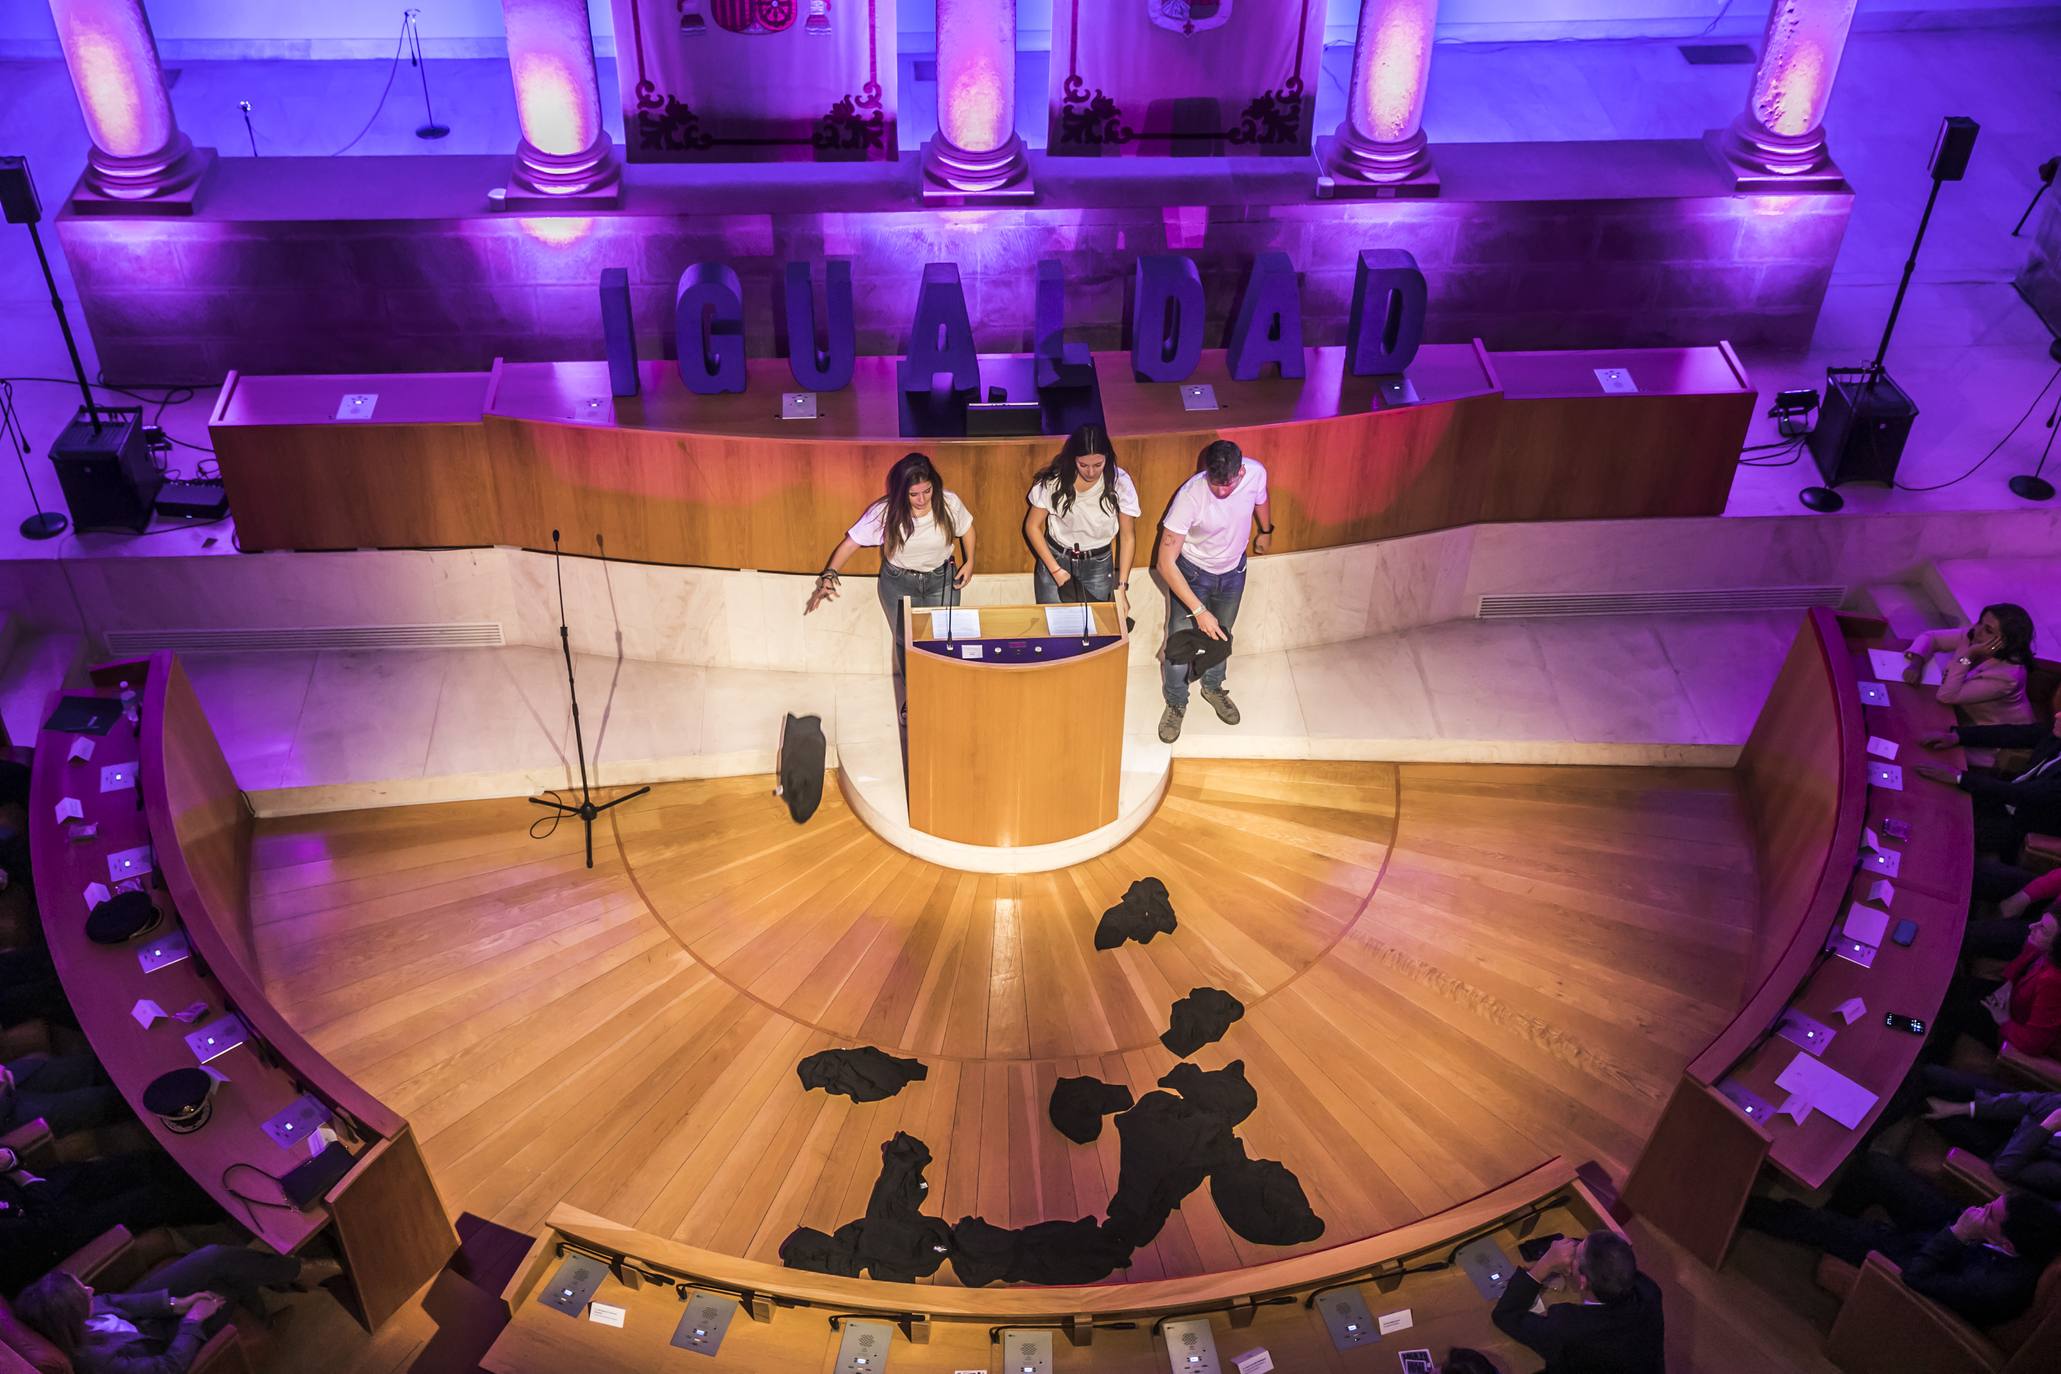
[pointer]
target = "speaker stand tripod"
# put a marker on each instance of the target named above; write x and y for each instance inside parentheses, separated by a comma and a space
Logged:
(587, 810)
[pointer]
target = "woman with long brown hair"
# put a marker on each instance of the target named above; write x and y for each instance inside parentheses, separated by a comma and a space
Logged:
(1082, 521)
(914, 525)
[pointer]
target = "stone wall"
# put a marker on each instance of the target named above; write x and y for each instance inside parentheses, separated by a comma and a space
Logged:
(397, 264)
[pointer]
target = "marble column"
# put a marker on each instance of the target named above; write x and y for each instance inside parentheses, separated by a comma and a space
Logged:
(1379, 148)
(976, 152)
(564, 149)
(1781, 131)
(138, 155)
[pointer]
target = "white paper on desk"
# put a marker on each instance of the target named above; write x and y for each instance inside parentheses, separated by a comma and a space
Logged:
(68, 809)
(96, 893)
(1826, 1089)
(1066, 620)
(1869, 839)
(1392, 1322)
(1888, 775)
(1874, 694)
(1795, 1107)
(1882, 748)
(1889, 663)
(1852, 1009)
(961, 623)
(1882, 893)
(605, 1314)
(82, 748)
(1866, 924)
(146, 1011)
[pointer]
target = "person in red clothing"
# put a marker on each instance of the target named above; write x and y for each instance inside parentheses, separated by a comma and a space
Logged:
(2022, 1011)
(2001, 936)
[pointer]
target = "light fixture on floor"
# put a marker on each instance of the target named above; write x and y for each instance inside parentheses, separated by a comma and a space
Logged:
(248, 127)
(2030, 485)
(2048, 169)
(1791, 411)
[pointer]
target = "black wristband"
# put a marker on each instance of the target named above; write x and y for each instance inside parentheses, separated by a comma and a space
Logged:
(1266, 529)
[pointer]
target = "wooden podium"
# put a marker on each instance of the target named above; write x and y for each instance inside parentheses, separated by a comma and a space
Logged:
(1016, 734)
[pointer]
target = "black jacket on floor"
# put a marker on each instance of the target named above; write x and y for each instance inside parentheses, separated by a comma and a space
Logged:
(1623, 1337)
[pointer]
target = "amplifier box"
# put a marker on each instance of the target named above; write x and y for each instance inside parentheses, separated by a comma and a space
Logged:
(1861, 428)
(108, 479)
(202, 500)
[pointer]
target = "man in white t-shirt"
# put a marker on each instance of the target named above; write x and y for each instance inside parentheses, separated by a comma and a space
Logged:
(1202, 560)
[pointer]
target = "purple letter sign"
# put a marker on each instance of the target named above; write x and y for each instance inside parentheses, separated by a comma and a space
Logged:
(1386, 324)
(618, 331)
(1269, 324)
(941, 335)
(1166, 318)
(1059, 363)
(708, 317)
(827, 367)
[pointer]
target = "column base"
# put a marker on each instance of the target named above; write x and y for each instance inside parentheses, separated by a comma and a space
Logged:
(541, 180)
(1759, 161)
(953, 176)
(1348, 169)
(171, 190)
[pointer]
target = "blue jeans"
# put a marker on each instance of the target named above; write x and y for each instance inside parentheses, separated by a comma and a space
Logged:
(1219, 594)
(923, 589)
(1093, 572)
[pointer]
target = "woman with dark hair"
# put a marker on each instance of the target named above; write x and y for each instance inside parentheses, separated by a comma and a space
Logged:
(2022, 1010)
(161, 1330)
(1984, 676)
(913, 525)
(1082, 522)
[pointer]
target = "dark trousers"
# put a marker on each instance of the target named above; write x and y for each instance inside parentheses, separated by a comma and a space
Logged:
(67, 1090)
(237, 1274)
(1092, 574)
(1984, 1138)
(923, 589)
(1917, 1211)
(1219, 594)
(29, 989)
(1961, 1013)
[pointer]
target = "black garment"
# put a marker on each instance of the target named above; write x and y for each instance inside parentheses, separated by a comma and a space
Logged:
(1196, 649)
(1049, 1252)
(1143, 913)
(1261, 1201)
(802, 751)
(29, 989)
(1622, 1337)
(1985, 1286)
(1079, 1104)
(894, 1242)
(865, 1074)
(1199, 1019)
(43, 1222)
(1169, 1146)
(1222, 1091)
(2034, 806)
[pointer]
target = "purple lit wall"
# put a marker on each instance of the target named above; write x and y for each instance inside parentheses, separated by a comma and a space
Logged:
(557, 95)
(112, 57)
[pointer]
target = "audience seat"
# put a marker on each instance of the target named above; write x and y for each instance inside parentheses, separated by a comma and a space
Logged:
(115, 1260)
(1882, 1325)
(2041, 1070)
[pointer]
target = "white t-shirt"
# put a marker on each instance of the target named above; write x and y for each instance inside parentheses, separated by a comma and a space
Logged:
(1088, 524)
(1216, 531)
(927, 546)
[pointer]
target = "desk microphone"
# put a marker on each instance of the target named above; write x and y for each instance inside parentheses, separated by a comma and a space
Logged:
(1080, 593)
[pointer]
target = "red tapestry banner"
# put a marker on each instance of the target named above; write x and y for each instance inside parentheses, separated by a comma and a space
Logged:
(757, 80)
(1183, 78)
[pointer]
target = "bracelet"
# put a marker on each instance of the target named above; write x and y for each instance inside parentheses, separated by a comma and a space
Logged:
(833, 574)
(1266, 529)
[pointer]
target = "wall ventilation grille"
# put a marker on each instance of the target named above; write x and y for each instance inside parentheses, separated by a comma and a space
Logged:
(1686, 602)
(463, 635)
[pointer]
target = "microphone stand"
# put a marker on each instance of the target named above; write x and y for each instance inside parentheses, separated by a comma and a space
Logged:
(586, 810)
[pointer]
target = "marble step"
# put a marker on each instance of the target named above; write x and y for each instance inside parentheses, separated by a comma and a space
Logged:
(1963, 586)
(1909, 608)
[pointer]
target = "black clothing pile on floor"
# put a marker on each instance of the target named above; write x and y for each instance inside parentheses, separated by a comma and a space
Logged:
(1143, 913)
(894, 1242)
(1079, 1104)
(1084, 1251)
(864, 1074)
(1199, 1019)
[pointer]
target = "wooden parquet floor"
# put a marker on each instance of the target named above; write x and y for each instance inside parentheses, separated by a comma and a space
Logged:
(1450, 974)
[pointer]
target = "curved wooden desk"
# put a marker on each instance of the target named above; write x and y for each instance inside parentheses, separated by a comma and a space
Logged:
(1112, 1326)
(1804, 776)
(454, 459)
(384, 1216)
(1014, 753)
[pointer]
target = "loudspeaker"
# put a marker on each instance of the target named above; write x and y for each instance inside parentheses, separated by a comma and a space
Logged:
(18, 192)
(1861, 428)
(1950, 151)
(108, 479)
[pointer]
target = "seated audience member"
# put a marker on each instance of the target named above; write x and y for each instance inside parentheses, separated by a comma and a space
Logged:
(159, 1330)
(2007, 808)
(29, 990)
(2001, 936)
(2023, 1010)
(2015, 1132)
(1615, 1329)
(46, 1215)
(67, 1090)
(1986, 665)
(1980, 1262)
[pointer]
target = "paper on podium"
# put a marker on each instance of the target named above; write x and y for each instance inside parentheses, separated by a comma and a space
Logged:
(1882, 748)
(1827, 1090)
(960, 623)
(1067, 620)
(1883, 892)
(1866, 924)
(1888, 663)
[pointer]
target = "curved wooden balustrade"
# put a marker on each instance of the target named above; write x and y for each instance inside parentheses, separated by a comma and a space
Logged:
(1112, 1326)
(452, 459)
(384, 1215)
(1805, 776)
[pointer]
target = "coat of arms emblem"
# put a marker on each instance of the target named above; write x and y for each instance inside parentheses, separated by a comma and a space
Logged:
(1189, 16)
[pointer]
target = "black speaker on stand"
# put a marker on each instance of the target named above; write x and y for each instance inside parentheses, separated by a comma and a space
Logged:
(1866, 417)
